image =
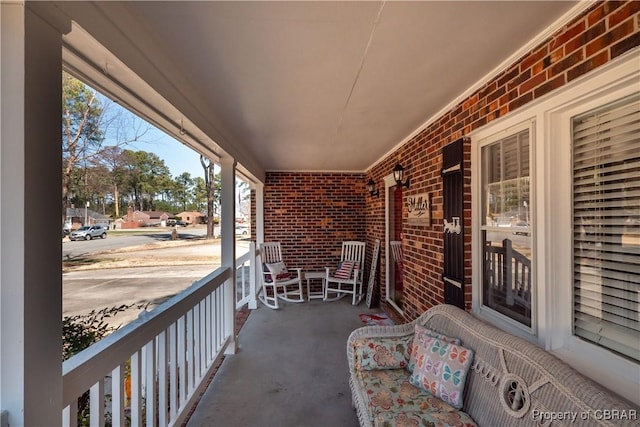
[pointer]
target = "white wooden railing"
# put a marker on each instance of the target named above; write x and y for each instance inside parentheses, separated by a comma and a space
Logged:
(246, 279)
(150, 372)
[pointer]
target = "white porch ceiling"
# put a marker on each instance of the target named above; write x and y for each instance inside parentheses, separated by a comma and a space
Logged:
(311, 86)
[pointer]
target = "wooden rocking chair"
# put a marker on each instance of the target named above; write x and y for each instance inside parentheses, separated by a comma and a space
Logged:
(277, 281)
(347, 277)
(396, 252)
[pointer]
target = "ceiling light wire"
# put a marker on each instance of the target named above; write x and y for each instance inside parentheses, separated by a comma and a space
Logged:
(364, 57)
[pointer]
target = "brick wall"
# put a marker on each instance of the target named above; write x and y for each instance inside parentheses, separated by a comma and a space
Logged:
(604, 32)
(312, 213)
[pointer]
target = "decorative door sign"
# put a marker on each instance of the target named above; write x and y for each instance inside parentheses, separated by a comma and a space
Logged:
(453, 223)
(419, 209)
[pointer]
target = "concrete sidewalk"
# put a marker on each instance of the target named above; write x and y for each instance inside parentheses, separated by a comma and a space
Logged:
(290, 370)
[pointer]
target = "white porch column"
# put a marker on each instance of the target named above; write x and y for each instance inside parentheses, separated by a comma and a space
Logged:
(259, 213)
(256, 270)
(228, 249)
(30, 203)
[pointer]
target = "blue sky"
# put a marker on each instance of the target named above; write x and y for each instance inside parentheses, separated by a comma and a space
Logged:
(177, 156)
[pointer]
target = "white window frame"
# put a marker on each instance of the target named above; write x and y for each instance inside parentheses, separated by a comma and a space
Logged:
(389, 182)
(551, 220)
(494, 316)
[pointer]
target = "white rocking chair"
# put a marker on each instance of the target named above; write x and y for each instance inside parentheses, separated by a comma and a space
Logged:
(347, 278)
(396, 250)
(276, 276)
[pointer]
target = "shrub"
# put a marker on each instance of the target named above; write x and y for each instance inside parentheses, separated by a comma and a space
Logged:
(82, 330)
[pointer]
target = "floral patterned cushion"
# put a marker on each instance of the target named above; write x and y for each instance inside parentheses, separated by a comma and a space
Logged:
(420, 419)
(412, 356)
(440, 367)
(382, 353)
(391, 352)
(391, 391)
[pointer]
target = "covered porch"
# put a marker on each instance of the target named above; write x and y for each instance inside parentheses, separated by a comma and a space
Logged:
(309, 103)
(290, 369)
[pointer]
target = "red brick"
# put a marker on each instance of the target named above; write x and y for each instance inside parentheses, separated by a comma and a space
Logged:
(566, 63)
(616, 34)
(607, 8)
(588, 65)
(528, 97)
(549, 86)
(523, 77)
(533, 57)
(562, 58)
(568, 34)
(507, 76)
(539, 66)
(508, 97)
(625, 45)
(629, 9)
(532, 83)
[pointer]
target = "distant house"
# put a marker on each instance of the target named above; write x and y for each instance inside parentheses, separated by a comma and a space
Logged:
(135, 218)
(77, 217)
(190, 217)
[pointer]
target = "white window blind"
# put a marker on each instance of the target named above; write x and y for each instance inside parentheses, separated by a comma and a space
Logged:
(606, 226)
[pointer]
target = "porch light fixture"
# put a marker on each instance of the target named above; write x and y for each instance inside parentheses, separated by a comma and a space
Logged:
(371, 187)
(398, 176)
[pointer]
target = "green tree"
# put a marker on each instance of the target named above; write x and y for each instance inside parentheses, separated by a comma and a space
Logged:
(183, 191)
(148, 176)
(115, 160)
(98, 188)
(199, 193)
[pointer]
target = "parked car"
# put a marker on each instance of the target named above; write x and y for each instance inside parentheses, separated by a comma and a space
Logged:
(242, 230)
(88, 232)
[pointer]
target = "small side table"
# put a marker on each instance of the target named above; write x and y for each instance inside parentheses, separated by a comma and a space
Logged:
(311, 275)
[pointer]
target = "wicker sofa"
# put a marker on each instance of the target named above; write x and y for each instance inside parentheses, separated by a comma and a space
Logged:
(509, 381)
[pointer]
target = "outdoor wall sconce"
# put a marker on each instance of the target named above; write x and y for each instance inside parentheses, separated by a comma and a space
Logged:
(398, 176)
(371, 187)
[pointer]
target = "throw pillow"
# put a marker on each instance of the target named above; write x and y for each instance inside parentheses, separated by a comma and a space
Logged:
(441, 368)
(421, 330)
(278, 270)
(381, 353)
(344, 270)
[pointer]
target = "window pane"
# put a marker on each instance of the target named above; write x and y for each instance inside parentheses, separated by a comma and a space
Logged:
(507, 260)
(507, 274)
(606, 226)
(506, 182)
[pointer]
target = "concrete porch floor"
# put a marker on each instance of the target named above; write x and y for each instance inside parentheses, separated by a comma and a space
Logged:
(290, 370)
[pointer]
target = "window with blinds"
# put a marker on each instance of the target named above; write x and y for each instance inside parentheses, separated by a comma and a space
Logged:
(606, 226)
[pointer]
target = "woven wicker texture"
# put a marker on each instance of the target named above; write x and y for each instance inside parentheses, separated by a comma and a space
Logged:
(512, 382)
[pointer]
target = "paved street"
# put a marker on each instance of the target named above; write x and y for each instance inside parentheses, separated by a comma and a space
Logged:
(84, 290)
(149, 273)
(117, 241)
